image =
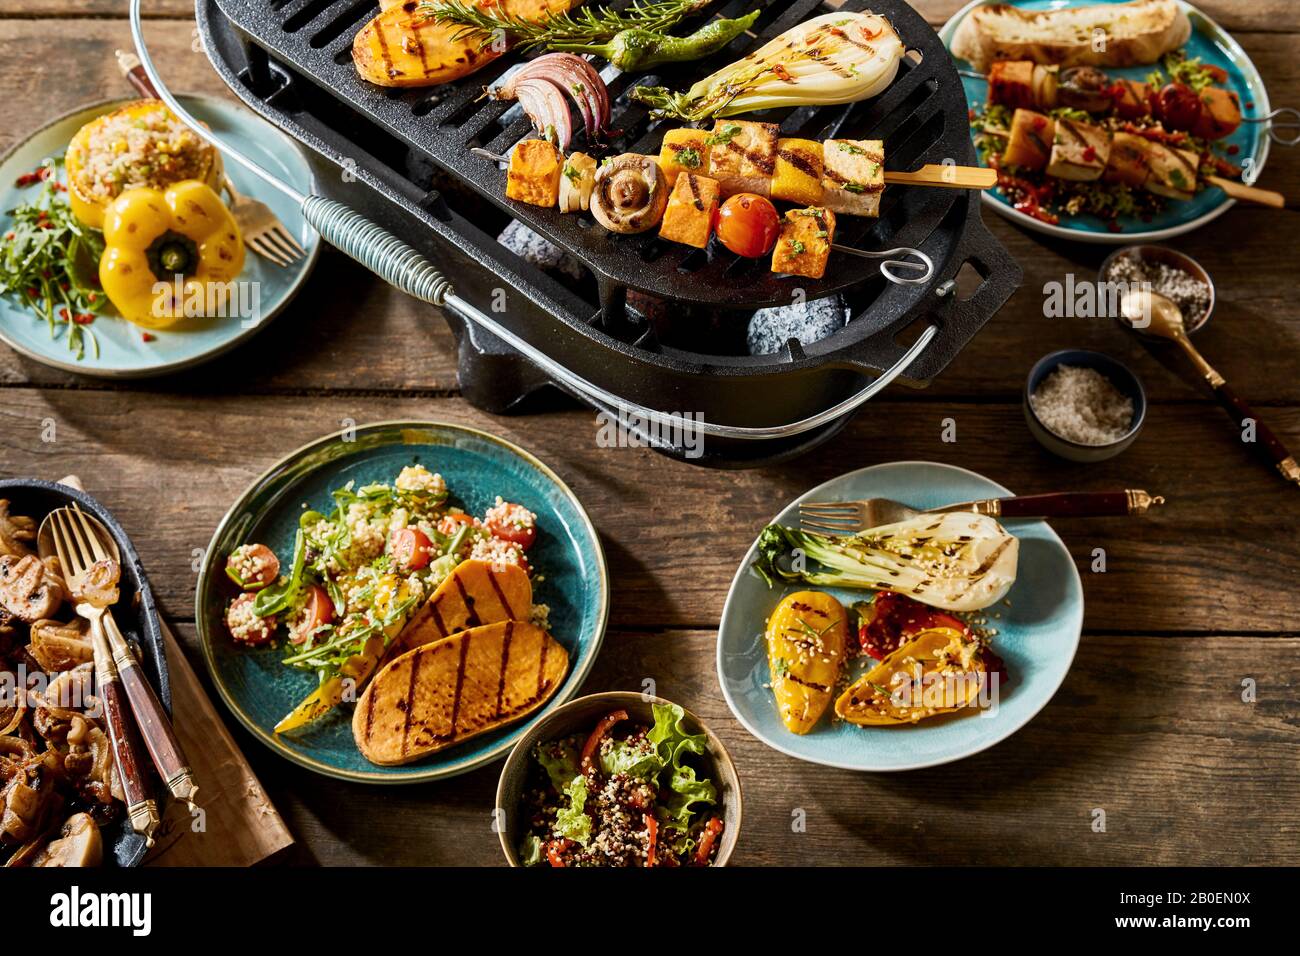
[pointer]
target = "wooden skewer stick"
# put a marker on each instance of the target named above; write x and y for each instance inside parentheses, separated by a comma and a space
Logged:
(952, 177)
(1262, 197)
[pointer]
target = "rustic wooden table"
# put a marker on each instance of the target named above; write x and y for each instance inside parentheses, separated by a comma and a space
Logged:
(1150, 726)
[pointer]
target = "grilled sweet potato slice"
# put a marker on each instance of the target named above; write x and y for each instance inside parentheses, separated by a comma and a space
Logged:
(444, 693)
(475, 593)
(402, 47)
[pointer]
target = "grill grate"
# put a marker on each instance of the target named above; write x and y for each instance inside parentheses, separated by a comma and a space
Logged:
(917, 121)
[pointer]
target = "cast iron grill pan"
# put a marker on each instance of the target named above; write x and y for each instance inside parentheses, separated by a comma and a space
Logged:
(291, 62)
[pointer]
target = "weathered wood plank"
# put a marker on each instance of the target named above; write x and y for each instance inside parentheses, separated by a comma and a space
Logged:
(1150, 730)
(1216, 559)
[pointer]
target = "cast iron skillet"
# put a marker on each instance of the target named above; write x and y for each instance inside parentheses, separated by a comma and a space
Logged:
(135, 613)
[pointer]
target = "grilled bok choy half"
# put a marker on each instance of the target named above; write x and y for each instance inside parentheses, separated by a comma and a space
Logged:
(958, 562)
(834, 58)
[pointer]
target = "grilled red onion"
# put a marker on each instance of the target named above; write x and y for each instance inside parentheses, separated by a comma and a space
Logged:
(546, 107)
(567, 74)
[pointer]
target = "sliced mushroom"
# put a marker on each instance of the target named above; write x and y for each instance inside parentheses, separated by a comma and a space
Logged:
(75, 690)
(29, 590)
(13, 702)
(630, 194)
(28, 799)
(78, 844)
(16, 532)
(58, 646)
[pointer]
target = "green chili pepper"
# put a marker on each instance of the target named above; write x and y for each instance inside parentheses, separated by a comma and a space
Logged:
(637, 49)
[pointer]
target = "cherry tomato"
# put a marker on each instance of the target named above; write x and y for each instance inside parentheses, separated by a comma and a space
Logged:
(316, 612)
(1178, 106)
(245, 626)
(513, 523)
(748, 225)
(253, 566)
(411, 548)
(450, 522)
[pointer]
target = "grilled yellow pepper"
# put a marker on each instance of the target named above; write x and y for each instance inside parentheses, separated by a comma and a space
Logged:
(153, 237)
(939, 671)
(806, 639)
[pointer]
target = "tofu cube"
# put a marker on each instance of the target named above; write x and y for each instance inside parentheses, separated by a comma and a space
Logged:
(853, 176)
(684, 151)
(804, 245)
(742, 156)
(1173, 171)
(534, 173)
(1080, 151)
(691, 208)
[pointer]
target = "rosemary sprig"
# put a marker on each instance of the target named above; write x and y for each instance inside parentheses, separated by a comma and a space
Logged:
(587, 25)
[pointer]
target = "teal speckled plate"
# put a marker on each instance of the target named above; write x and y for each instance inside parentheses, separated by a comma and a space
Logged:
(1214, 45)
(1038, 633)
(123, 352)
(477, 466)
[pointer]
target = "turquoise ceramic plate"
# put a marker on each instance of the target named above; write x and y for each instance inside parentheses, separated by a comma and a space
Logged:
(1038, 632)
(123, 352)
(477, 466)
(1213, 45)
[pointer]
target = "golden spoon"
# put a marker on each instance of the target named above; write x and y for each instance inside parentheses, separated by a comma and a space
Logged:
(1154, 313)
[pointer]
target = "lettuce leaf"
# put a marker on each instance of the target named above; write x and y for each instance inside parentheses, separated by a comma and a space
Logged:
(530, 851)
(672, 743)
(633, 760)
(572, 822)
(559, 759)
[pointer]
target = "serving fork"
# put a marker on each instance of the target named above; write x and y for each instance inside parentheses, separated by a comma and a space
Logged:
(850, 517)
(81, 544)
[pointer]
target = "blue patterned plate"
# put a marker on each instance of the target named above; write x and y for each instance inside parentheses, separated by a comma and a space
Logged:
(1214, 46)
(1038, 633)
(123, 351)
(477, 466)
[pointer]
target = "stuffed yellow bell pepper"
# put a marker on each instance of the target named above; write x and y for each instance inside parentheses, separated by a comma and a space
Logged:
(153, 237)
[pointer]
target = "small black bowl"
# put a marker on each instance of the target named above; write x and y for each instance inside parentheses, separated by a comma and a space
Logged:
(135, 613)
(1116, 373)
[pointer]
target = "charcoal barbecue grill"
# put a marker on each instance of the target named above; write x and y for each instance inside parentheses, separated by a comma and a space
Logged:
(678, 345)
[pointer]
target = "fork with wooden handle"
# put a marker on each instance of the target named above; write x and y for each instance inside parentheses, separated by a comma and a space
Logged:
(86, 542)
(132, 771)
(850, 517)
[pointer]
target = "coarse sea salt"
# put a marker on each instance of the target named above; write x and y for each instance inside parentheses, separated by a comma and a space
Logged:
(1081, 405)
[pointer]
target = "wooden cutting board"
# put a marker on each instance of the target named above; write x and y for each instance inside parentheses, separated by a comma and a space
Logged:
(237, 824)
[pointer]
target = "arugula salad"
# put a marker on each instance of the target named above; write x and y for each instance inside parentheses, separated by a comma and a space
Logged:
(623, 795)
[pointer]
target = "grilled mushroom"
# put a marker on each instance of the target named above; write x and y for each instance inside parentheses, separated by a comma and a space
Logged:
(16, 532)
(78, 844)
(29, 589)
(630, 194)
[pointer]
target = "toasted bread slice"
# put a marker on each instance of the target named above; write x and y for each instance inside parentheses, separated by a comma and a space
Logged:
(1120, 34)
(475, 593)
(444, 693)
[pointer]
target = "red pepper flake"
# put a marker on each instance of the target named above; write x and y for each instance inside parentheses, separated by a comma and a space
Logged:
(85, 318)
(1233, 149)
(33, 292)
(43, 173)
(148, 337)
(1090, 154)
(65, 315)
(92, 296)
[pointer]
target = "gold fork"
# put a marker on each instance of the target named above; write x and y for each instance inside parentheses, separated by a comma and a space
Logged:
(850, 517)
(262, 229)
(81, 542)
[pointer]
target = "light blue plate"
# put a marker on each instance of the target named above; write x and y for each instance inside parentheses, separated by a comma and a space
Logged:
(1038, 634)
(1213, 45)
(123, 353)
(477, 467)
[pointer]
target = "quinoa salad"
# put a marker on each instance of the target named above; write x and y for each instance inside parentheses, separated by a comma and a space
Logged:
(132, 148)
(624, 795)
(357, 573)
